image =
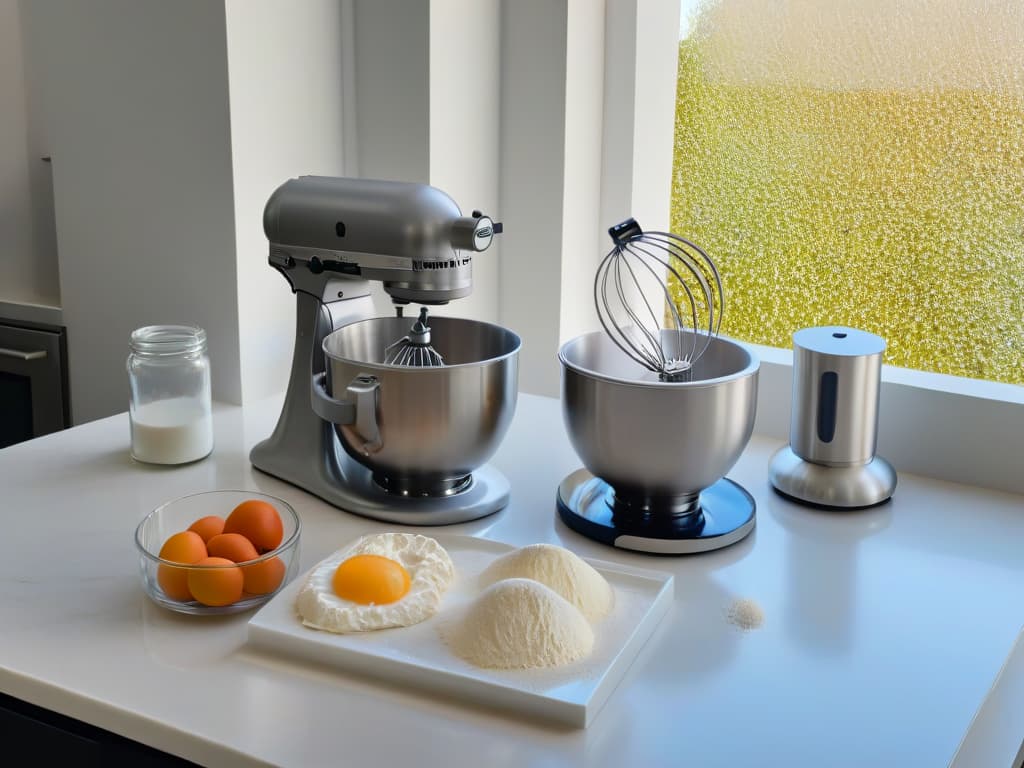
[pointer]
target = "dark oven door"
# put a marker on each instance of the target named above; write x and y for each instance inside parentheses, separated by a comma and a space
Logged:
(33, 382)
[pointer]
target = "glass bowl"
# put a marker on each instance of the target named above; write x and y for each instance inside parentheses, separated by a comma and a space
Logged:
(177, 515)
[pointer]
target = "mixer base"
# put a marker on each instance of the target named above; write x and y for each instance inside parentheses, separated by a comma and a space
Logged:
(325, 471)
(487, 493)
(586, 504)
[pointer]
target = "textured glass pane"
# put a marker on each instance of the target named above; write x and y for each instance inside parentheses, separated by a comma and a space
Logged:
(861, 163)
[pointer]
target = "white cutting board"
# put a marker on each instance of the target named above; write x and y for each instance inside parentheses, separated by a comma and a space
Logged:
(996, 734)
(417, 656)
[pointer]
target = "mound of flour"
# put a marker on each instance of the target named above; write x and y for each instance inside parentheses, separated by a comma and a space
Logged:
(520, 624)
(561, 570)
(746, 614)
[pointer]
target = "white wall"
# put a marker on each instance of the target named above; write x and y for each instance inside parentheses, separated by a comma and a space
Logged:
(170, 124)
(392, 93)
(135, 94)
(533, 66)
(582, 226)
(640, 69)
(464, 130)
(284, 68)
(28, 259)
(426, 100)
(588, 99)
(639, 123)
(588, 93)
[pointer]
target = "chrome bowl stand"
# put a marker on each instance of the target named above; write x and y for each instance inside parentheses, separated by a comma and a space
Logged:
(717, 517)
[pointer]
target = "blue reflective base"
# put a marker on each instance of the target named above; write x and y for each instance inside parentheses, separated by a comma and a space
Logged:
(725, 515)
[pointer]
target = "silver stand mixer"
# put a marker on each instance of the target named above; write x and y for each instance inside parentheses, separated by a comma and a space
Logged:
(348, 437)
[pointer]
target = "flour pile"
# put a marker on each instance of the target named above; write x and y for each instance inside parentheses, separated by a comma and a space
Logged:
(561, 570)
(746, 614)
(521, 624)
(535, 610)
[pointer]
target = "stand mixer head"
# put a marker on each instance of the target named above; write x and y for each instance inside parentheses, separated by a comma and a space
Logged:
(406, 236)
(336, 438)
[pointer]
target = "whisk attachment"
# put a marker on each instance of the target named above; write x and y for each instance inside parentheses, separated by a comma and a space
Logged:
(632, 285)
(414, 350)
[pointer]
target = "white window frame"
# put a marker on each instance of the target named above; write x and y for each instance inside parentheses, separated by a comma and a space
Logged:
(584, 136)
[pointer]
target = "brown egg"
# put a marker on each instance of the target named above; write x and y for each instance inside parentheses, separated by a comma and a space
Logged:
(233, 546)
(216, 586)
(259, 522)
(208, 527)
(184, 547)
(264, 577)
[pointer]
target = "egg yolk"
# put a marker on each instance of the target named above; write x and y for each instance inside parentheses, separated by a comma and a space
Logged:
(371, 580)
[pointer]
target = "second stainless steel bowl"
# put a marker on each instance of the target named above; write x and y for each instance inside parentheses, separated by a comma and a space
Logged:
(421, 430)
(651, 438)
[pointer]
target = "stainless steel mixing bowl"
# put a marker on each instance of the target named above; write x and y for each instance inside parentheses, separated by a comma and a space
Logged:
(651, 439)
(422, 431)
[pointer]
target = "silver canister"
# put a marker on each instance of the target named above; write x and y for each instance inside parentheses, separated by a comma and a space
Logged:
(830, 460)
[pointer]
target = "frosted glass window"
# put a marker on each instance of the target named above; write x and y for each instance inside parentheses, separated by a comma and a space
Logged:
(861, 163)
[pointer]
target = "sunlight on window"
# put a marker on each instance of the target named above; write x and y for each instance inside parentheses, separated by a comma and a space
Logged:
(860, 163)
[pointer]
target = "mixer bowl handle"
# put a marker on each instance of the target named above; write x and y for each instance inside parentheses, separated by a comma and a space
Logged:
(359, 409)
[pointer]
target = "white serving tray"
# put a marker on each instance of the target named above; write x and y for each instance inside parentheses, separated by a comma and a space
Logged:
(995, 735)
(416, 656)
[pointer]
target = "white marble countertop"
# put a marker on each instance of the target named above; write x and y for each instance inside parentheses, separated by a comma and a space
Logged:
(884, 629)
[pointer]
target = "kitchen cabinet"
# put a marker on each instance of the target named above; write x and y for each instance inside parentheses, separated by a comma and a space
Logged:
(33, 381)
(54, 739)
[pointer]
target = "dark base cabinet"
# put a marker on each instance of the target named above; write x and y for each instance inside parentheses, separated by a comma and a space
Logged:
(34, 395)
(42, 737)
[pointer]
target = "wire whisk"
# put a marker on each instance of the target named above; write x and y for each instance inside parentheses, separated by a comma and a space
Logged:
(414, 350)
(635, 304)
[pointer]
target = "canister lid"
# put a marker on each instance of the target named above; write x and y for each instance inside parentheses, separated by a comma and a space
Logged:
(839, 340)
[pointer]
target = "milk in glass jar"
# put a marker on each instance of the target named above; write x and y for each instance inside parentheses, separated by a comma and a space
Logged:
(169, 407)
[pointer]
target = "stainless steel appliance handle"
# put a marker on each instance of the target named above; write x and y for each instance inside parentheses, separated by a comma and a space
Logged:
(359, 410)
(36, 354)
(364, 390)
(326, 407)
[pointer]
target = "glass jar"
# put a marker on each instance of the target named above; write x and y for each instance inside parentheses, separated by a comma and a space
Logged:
(169, 409)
